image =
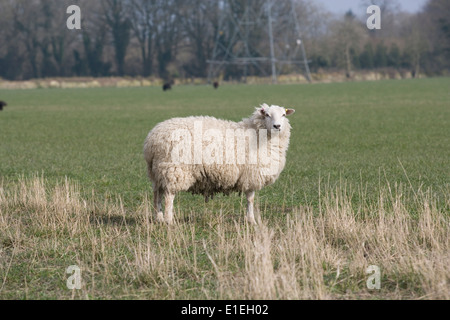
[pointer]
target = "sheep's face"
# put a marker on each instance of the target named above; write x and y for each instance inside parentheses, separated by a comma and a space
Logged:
(275, 116)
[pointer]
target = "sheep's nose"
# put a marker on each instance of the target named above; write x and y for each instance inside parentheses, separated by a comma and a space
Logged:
(277, 126)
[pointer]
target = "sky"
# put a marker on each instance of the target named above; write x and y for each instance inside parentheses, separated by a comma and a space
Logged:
(342, 6)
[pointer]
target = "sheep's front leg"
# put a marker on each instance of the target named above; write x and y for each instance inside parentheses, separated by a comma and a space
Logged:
(157, 202)
(250, 214)
(169, 197)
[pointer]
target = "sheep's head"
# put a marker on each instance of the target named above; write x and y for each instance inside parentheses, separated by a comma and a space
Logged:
(275, 116)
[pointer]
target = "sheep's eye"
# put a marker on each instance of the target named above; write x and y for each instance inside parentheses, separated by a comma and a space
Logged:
(284, 115)
(267, 115)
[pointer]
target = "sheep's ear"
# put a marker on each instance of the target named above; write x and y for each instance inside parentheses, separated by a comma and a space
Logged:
(263, 109)
(289, 112)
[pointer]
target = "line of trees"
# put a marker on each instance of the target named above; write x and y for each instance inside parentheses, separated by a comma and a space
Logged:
(175, 38)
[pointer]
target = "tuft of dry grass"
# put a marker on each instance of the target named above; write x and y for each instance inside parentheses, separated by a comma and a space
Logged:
(313, 252)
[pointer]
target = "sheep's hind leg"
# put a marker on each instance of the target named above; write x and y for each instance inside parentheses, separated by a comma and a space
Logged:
(250, 214)
(169, 197)
(157, 201)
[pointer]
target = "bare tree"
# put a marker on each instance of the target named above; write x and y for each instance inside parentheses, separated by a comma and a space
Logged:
(120, 25)
(12, 56)
(55, 37)
(142, 18)
(415, 44)
(347, 36)
(436, 24)
(200, 23)
(39, 26)
(27, 25)
(167, 33)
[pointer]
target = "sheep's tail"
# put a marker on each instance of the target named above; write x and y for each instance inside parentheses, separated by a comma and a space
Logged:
(149, 156)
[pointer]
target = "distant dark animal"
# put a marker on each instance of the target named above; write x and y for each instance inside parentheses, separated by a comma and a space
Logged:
(2, 104)
(215, 85)
(167, 86)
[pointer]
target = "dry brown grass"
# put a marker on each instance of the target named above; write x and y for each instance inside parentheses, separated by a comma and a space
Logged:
(317, 252)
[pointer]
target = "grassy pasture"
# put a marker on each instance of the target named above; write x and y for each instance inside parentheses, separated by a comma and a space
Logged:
(366, 182)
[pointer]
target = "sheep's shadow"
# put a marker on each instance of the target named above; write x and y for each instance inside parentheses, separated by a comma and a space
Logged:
(116, 220)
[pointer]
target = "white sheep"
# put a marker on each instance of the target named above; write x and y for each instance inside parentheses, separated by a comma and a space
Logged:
(205, 155)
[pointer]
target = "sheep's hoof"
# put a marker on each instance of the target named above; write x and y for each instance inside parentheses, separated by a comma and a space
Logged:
(170, 222)
(251, 220)
(160, 217)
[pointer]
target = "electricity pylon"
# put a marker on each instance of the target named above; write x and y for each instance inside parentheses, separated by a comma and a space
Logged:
(243, 26)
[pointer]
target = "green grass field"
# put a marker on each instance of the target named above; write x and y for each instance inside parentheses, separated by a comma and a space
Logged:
(359, 132)
(357, 140)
